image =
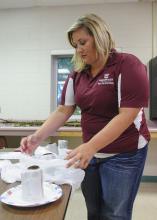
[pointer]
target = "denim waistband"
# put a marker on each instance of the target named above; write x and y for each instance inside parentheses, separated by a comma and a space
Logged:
(131, 153)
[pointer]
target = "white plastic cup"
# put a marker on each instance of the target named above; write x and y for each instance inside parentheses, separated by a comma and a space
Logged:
(53, 148)
(62, 148)
(32, 184)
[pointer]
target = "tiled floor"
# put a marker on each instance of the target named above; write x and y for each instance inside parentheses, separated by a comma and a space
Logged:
(145, 207)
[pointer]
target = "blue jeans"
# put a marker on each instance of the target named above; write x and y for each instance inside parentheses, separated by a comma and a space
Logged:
(111, 184)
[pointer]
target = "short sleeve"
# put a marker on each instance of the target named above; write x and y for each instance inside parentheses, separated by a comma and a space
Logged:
(67, 97)
(133, 86)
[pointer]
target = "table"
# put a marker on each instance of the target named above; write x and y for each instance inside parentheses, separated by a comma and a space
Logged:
(52, 211)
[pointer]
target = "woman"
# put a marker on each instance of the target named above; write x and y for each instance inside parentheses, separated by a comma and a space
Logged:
(111, 90)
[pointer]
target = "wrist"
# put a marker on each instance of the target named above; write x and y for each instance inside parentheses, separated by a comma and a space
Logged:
(38, 136)
(91, 147)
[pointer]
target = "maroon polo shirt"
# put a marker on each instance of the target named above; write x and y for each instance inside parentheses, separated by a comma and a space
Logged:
(121, 83)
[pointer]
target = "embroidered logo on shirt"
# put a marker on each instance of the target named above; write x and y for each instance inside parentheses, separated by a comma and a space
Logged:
(106, 75)
(106, 80)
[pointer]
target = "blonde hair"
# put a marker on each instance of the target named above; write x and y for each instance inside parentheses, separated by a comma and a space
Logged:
(96, 27)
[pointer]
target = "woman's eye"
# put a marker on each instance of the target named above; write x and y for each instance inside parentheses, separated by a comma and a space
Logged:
(82, 42)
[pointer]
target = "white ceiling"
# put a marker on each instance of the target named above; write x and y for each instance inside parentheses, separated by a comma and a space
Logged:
(4, 4)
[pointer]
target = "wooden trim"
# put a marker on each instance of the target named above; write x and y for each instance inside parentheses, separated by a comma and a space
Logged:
(64, 131)
(69, 134)
(153, 134)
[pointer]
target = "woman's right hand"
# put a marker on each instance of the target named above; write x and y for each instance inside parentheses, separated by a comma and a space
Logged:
(29, 144)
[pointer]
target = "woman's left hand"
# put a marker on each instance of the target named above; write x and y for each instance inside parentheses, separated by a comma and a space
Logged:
(80, 156)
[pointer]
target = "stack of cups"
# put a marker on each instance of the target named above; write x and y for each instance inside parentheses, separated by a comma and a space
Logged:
(52, 147)
(32, 184)
(62, 148)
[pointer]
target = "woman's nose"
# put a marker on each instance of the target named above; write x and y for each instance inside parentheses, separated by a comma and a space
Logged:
(79, 49)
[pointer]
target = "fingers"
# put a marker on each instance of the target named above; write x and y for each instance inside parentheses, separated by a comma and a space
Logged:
(23, 144)
(28, 144)
(70, 154)
(82, 164)
(68, 151)
(73, 157)
(72, 162)
(76, 160)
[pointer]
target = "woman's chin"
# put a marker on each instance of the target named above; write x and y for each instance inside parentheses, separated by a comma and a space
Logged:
(86, 62)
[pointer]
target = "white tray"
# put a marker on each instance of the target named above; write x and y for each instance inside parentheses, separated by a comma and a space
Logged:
(13, 196)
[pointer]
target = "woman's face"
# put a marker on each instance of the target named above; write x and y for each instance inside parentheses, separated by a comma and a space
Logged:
(85, 46)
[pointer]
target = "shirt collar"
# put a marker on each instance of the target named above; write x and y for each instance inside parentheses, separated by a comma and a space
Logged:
(113, 58)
